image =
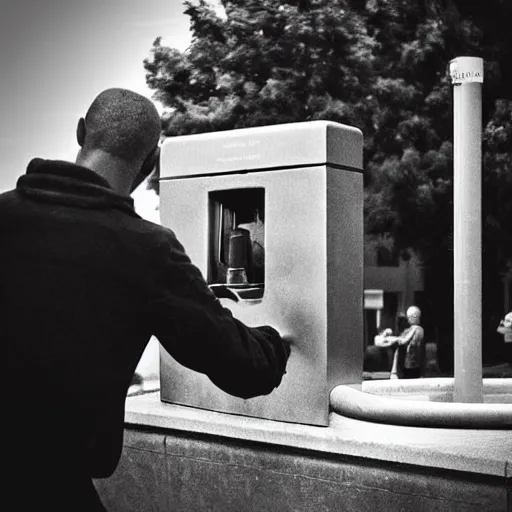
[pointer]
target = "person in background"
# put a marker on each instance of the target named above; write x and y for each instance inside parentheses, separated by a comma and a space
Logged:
(505, 328)
(85, 283)
(412, 340)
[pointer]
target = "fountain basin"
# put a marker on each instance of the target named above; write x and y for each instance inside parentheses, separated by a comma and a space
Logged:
(425, 403)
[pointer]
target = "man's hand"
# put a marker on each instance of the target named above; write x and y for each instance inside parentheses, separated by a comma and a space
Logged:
(384, 341)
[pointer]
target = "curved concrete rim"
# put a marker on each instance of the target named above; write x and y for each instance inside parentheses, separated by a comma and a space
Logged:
(430, 385)
(359, 404)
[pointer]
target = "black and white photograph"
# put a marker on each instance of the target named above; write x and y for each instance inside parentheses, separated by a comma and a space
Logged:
(256, 255)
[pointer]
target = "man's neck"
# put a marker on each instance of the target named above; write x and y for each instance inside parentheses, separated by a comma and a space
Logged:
(115, 170)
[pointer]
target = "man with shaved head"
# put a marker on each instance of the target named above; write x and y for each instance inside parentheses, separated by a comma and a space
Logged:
(84, 284)
(119, 138)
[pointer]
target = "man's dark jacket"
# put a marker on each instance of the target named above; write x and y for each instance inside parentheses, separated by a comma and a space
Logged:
(84, 283)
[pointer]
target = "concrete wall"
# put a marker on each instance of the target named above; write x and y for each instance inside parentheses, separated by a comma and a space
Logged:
(166, 470)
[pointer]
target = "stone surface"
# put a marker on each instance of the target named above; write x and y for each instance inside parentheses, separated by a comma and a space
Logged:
(196, 460)
(486, 452)
(140, 482)
(208, 473)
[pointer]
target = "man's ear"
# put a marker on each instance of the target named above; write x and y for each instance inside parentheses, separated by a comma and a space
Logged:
(80, 132)
(147, 167)
(149, 163)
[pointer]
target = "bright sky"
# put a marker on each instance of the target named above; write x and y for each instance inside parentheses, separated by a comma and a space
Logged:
(57, 55)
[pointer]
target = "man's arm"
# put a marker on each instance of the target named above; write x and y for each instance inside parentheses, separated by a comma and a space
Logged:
(414, 335)
(202, 335)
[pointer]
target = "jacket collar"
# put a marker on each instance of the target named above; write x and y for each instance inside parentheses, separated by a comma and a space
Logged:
(55, 181)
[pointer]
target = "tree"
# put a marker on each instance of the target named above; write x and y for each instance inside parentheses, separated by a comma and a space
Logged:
(266, 63)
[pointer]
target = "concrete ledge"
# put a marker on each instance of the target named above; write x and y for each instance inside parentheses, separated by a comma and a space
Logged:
(485, 452)
(187, 472)
(407, 403)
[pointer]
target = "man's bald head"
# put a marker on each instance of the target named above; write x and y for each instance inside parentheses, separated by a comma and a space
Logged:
(414, 315)
(122, 123)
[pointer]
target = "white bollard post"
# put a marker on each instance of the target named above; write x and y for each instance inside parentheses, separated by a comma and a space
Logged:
(467, 78)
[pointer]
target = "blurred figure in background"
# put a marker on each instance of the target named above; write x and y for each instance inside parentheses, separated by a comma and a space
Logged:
(408, 359)
(505, 328)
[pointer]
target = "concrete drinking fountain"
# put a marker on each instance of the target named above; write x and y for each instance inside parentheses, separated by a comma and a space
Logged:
(295, 193)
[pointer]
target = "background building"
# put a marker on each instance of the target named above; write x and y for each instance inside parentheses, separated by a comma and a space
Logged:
(399, 280)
